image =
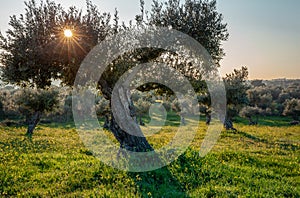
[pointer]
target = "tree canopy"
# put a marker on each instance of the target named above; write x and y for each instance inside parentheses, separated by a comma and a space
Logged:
(236, 89)
(37, 51)
(198, 19)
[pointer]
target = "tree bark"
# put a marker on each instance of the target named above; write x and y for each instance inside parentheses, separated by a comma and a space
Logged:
(35, 119)
(251, 121)
(106, 122)
(128, 141)
(208, 119)
(229, 124)
(141, 121)
(126, 120)
(182, 120)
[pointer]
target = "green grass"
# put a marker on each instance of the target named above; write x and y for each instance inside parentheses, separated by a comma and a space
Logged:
(255, 161)
(267, 120)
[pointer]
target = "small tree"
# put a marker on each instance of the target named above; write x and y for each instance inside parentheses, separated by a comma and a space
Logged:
(142, 108)
(33, 103)
(236, 90)
(9, 108)
(283, 96)
(248, 112)
(292, 108)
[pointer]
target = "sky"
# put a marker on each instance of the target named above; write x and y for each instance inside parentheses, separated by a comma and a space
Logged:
(264, 34)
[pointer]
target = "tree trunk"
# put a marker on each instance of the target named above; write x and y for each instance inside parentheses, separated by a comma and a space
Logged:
(35, 119)
(208, 119)
(106, 122)
(182, 120)
(124, 123)
(251, 121)
(229, 124)
(128, 141)
(141, 121)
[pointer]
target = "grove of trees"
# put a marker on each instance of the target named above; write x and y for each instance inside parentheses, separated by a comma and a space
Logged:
(35, 53)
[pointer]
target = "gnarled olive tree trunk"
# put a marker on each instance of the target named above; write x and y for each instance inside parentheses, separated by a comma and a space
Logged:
(128, 141)
(32, 122)
(123, 119)
(228, 124)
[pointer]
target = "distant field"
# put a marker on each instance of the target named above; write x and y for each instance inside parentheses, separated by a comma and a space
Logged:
(255, 161)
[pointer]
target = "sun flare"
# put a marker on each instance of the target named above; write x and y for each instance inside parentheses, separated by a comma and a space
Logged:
(68, 33)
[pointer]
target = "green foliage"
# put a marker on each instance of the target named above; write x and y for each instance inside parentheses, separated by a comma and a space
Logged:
(257, 83)
(35, 50)
(66, 108)
(272, 98)
(9, 108)
(198, 19)
(26, 43)
(236, 91)
(102, 106)
(292, 108)
(142, 106)
(236, 86)
(249, 112)
(31, 101)
(204, 104)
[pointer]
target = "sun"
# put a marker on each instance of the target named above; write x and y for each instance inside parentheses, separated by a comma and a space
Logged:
(68, 33)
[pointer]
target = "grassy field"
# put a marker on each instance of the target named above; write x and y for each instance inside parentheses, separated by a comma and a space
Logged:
(255, 161)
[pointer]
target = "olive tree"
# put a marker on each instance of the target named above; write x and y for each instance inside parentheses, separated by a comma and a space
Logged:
(9, 108)
(236, 88)
(36, 51)
(33, 103)
(292, 108)
(142, 108)
(248, 112)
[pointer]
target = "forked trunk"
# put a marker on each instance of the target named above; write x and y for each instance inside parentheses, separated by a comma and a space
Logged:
(32, 122)
(128, 141)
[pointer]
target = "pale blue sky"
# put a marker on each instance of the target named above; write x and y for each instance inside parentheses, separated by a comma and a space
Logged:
(264, 34)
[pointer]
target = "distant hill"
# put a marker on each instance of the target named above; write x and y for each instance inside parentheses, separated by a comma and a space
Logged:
(282, 82)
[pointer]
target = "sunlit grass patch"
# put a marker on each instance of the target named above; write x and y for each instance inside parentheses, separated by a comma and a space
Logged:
(262, 161)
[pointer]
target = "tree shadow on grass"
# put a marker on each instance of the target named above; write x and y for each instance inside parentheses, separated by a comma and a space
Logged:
(158, 183)
(282, 144)
(59, 125)
(252, 137)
